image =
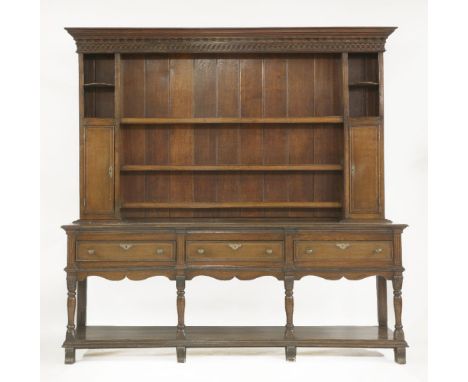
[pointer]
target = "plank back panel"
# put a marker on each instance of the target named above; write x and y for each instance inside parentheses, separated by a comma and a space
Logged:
(183, 86)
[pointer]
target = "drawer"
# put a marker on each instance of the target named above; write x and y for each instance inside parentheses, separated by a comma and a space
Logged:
(230, 251)
(125, 251)
(343, 252)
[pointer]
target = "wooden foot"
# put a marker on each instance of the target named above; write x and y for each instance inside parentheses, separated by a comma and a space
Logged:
(400, 355)
(181, 352)
(290, 353)
(69, 356)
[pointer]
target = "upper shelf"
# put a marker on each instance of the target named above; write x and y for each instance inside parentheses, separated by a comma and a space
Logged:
(309, 167)
(177, 121)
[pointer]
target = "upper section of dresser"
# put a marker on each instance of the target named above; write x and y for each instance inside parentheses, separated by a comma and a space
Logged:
(231, 123)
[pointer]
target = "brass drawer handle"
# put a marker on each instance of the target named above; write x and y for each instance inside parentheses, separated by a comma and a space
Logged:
(200, 251)
(234, 246)
(268, 251)
(309, 251)
(159, 251)
(126, 246)
(91, 251)
(378, 250)
(343, 245)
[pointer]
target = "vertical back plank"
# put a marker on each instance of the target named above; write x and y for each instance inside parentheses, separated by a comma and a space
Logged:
(251, 136)
(228, 183)
(301, 137)
(133, 148)
(205, 140)
(157, 137)
(328, 101)
(275, 138)
(181, 136)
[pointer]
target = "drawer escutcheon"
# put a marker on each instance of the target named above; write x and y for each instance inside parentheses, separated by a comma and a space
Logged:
(343, 245)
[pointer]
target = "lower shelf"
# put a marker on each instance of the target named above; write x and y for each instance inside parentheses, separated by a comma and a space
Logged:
(93, 337)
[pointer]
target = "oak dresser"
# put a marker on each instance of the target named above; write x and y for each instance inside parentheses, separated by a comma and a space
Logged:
(232, 153)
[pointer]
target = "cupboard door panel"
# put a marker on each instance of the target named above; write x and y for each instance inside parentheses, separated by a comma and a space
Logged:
(366, 175)
(99, 171)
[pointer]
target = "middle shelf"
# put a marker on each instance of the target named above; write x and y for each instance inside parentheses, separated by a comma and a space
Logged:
(308, 167)
(222, 120)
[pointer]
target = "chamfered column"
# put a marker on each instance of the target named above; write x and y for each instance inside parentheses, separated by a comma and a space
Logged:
(81, 303)
(382, 301)
(289, 307)
(71, 308)
(400, 352)
(180, 285)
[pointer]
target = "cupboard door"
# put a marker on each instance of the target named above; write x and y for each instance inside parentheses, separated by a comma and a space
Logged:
(98, 187)
(366, 196)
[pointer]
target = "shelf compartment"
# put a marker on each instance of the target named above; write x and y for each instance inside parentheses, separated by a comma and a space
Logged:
(98, 85)
(95, 337)
(211, 205)
(179, 121)
(287, 168)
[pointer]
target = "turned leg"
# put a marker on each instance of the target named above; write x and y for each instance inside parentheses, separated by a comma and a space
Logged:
(289, 307)
(382, 301)
(81, 303)
(71, 306)
(180, 285)
(400, 352)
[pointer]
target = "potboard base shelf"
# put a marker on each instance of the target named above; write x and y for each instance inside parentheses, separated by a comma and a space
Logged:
(97, 337)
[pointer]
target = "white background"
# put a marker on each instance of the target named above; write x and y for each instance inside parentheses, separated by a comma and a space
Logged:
(258, 302)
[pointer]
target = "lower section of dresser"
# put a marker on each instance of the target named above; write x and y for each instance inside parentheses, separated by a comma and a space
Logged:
(102, 337)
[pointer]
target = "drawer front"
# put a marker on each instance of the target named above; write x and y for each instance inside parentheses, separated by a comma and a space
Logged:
(343, 252)
(229, 251)
(125, 251)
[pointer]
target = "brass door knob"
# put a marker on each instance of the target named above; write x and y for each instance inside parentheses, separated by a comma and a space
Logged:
(200, 251)
(378, 250)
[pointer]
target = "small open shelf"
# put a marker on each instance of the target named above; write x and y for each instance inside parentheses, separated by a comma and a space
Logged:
(233, 336)
(165, 121)
(363, 84)
(310, 167)
(209, 205)
(99, 85)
